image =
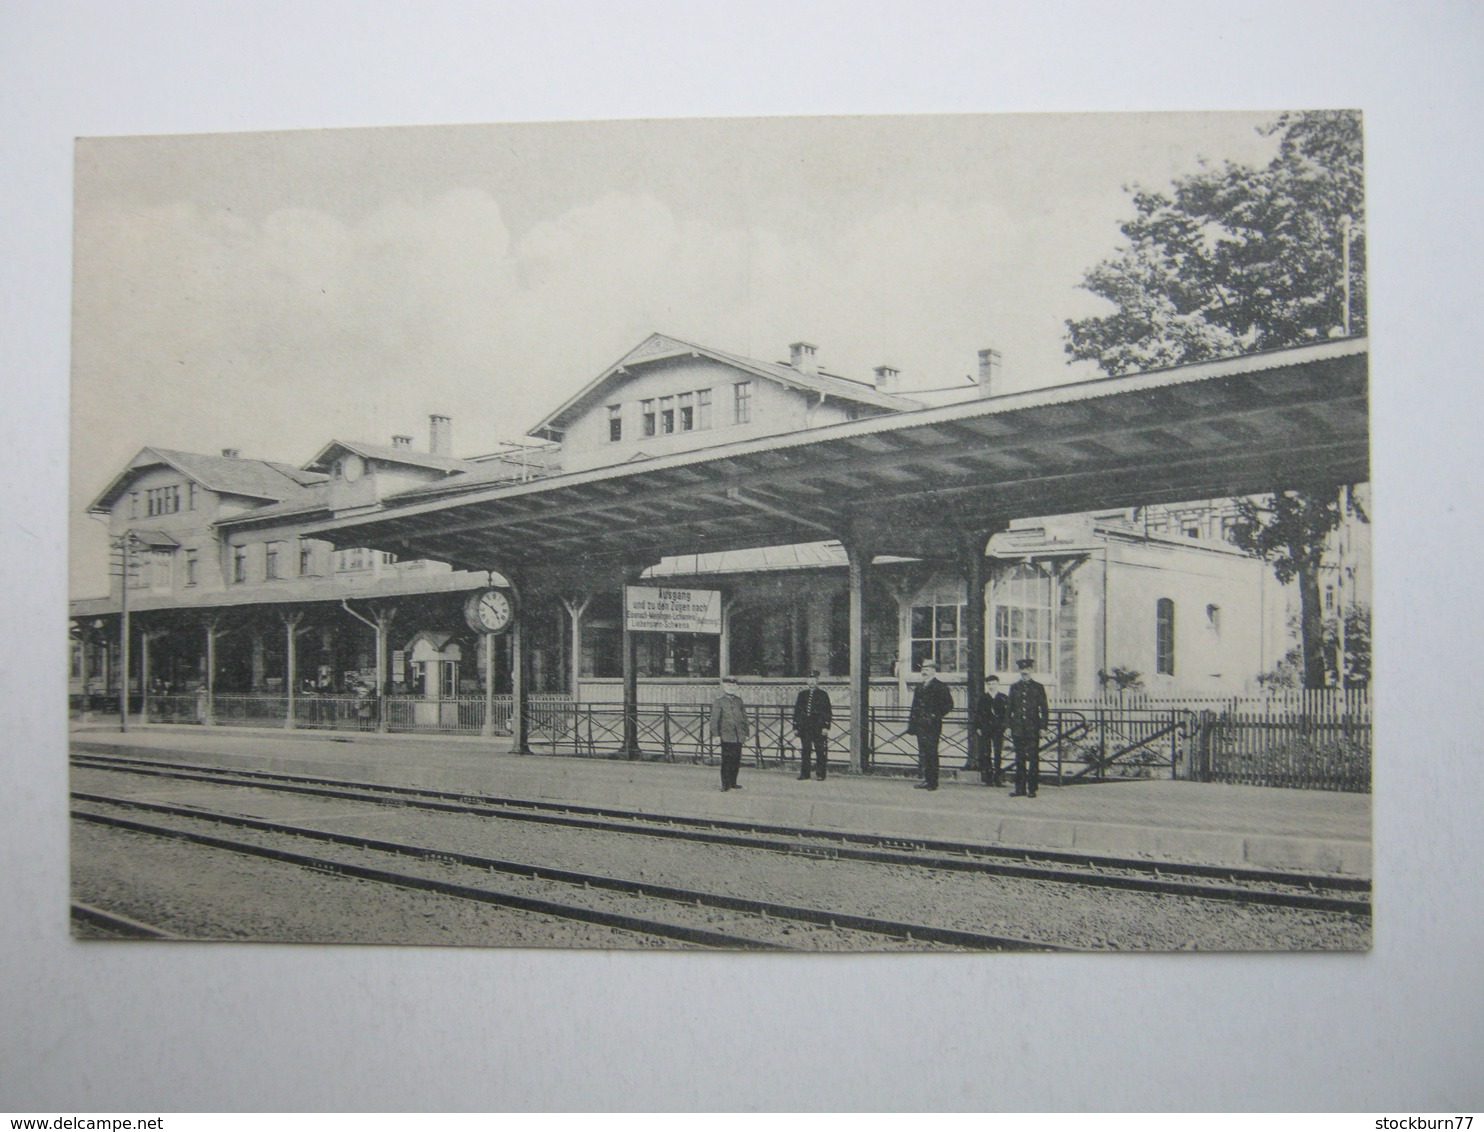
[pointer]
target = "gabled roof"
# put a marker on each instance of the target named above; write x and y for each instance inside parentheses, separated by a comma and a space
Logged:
(228, 475)
(659, 347)
(325, 459)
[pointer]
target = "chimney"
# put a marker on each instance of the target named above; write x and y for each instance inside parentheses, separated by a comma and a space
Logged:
(989, 372)
(231, 453)
(886, 379)
(440, 434)
(801, 357)
(400, 441)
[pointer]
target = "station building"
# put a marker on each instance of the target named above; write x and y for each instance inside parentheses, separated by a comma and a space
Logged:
(219, 578)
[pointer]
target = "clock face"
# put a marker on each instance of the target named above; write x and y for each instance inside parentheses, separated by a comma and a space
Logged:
(489, 611)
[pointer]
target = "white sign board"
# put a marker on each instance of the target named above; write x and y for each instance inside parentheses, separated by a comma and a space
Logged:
(663, 610)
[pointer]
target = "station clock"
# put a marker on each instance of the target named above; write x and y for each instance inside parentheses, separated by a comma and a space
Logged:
(489, 611)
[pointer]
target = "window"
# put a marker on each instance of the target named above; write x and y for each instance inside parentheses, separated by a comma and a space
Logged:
(162, 563)
(191, 496)
(1192, 531)
(938, 628)
(703, 408)
(270, 560)
(1164, 637)
(742, 402)
(388, 558)
(133, 505)
(1022, 619)
(306, 559)
(646, 412)
(353, 559)
(239, 564)
(163, 500)
(1329, 599)
(192, 575)
(615, 422)
(667, 414)
(686, 402)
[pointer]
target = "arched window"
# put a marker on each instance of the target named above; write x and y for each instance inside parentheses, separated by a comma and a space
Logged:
(1164, 637)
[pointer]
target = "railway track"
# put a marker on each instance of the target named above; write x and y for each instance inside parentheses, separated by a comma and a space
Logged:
(116, 925)
(1303, 891)
(761, 925)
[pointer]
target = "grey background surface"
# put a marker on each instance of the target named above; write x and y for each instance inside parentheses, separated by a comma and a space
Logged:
(196, 1028)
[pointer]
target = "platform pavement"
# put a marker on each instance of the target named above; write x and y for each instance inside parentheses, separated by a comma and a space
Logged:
(1153, 818)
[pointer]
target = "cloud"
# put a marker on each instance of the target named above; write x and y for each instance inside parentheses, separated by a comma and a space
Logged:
(199, 328)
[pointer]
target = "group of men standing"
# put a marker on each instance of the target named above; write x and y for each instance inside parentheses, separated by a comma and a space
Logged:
(1024, 711)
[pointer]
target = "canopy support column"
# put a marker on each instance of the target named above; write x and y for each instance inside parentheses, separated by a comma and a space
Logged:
(859, 558)
(972, 545)
(632, 572)
(519, 687)
(487, 650)
(291, 663)
(383, 616)
(208, 709)
(576, 606)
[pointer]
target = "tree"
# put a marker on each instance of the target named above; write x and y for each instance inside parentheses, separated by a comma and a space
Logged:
(1290, 530)
(1237, 259)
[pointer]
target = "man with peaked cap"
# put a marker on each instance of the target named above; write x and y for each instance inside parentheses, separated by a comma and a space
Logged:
(1029, 715)
(730, 728)
(931, 701)
(812, 718)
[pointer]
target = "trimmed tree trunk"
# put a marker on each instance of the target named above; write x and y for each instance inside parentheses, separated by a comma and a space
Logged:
(1311, 627)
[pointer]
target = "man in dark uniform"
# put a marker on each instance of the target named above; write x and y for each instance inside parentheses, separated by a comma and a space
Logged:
(991, 714)
(931, 701)
(1029, 715)
(812, 719)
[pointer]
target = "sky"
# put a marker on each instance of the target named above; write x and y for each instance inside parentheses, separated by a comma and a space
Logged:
(270, 292)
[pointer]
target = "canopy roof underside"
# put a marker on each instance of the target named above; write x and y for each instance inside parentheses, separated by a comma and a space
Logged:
(902, 483)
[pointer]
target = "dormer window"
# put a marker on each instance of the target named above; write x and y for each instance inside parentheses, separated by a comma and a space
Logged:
(667, 415)
(703, 408)
(687, 411)
(615, 422)
(351, 467)
(646, 410)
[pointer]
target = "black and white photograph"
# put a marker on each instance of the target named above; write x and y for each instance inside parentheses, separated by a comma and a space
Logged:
(879, 533)
(758, 556)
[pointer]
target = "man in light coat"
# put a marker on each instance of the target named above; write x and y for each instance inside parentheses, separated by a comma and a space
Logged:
(730, 728)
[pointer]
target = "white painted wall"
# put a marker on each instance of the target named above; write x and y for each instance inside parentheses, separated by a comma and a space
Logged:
(775, 409)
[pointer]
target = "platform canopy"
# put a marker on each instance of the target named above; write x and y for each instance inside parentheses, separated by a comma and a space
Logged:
(906, 482)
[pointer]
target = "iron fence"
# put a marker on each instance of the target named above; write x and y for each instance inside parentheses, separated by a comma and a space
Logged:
(1309, 740)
